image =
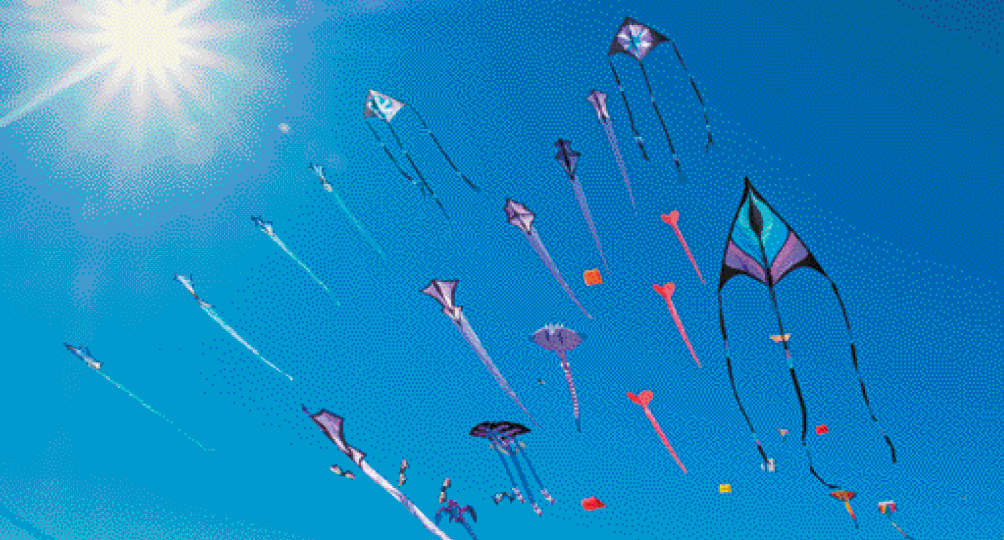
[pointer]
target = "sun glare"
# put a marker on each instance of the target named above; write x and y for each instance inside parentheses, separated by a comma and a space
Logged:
(142, 36)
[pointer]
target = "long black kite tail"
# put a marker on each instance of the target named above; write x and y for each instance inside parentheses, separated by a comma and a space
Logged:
(443, 151)
(693, 84)
(662, 122)
(798, 387)
(423, 185)
(634, 128)
(857, 370)
(389, 154)
(732, 381)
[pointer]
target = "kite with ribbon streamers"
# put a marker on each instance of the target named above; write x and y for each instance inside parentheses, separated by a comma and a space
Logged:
(764, 247)
(557, 338)
(637, 40)
(187, 282)
(386, 108)
(521, 217)
(332, 426)
(569, 160)
(502, 437)
(643, 399)
(599, 101)
(443, 292)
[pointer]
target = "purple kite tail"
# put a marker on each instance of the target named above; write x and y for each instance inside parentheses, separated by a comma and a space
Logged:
(479, 349)
(580, 196)
(571, 388)
(538, 246)
(612, 137)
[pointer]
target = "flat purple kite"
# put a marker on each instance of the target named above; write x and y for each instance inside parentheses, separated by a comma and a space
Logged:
(521, 217)
(557, 338)
(443, 292)
(569, 161)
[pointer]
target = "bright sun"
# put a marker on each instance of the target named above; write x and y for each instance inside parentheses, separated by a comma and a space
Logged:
(145, 41)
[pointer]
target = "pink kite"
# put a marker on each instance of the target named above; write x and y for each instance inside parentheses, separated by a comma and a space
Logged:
(673, 218)
(666, 291)
(644, 399)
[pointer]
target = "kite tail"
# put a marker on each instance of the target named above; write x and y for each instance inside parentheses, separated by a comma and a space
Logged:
(423, 186)
(236, 336)
(359, 227)
(302, 265)
(707, 124)
(538, 246)
(901, 531)
(479, 349)
(805, 427)
(857, 370)
(683, 332)
(442, 151)
(154, 411)
(571, 389)
(469, 530)
(580, 197)
(402, 498)
(662, 436)
(543, 490)
(512, 479)
(665, 130)
(683, 242)
(426, 188)
(526, 486)
(393, 159)
(612, 139)
(634, 129)
(732, 381)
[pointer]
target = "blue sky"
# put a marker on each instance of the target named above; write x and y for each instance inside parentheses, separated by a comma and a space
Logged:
(872, 127)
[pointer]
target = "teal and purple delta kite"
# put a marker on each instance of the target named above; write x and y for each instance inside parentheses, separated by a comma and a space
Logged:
(637, 40)
(762, 245)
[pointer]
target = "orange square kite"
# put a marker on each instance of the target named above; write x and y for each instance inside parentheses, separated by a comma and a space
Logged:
(593, 277)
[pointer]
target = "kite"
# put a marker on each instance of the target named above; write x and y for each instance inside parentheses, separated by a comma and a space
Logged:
(521, 217)
(846, 496)
(401, 478)
(84, 353)
(442, 490)
(666, 291)
(887, 508)
(599, 101)
(637, 40)
(771, 465)
(673, 218)
(822, 429)
(266, 227)
(779, 339)
(386, 108)
(592, 503)
(319, 171)
(338, 470)
(443, 292)
(764, 247)
(569, 159)
(725, 488)
(503, 495)
(643, 399)
(592, 277)
(456, 513)
(557, 338)
(187, 282)
(332, 425)
(503, 440)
